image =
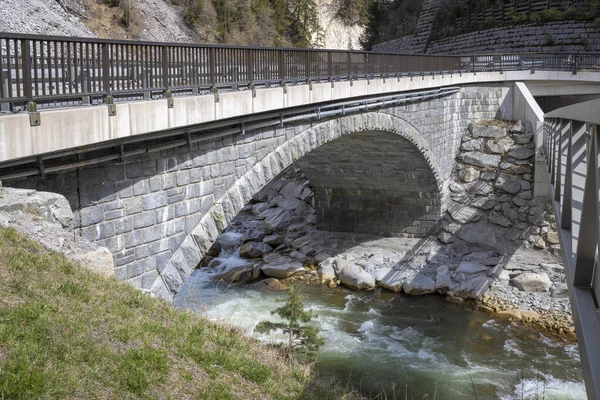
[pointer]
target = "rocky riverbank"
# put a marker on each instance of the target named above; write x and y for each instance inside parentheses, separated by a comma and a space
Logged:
(497, 246)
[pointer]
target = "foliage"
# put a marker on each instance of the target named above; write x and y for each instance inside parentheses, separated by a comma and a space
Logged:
(303, 340)
(385, 19)
(254, 22)
(352, 12)
(66, 332)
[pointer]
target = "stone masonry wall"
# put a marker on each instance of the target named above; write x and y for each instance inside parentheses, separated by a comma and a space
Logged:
(159, 212)
(377, 183)
(559, 36)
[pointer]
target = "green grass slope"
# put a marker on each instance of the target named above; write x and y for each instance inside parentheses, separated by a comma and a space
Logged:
(69, 333)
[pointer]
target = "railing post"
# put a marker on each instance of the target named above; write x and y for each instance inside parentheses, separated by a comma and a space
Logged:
(281, 65)
(26, 65)
(330, 65)
(106, 70)
(349, 64)
(250, 66)
(212, 66)
(307, 66)
(165, 67)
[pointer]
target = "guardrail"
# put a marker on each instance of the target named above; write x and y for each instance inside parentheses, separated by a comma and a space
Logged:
(46, 69)
(572, 150)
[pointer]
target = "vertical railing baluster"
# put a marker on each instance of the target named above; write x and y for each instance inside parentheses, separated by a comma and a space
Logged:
(106, 69)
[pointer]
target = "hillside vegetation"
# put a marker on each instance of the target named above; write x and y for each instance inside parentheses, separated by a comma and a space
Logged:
(69, 333)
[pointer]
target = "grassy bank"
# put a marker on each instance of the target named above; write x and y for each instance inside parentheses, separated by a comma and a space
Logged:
(68, 333)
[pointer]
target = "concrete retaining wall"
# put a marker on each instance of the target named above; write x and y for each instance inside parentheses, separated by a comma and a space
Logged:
(560, 36)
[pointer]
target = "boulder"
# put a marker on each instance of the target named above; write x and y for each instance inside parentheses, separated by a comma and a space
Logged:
(463, 214)
(259, 208)
(254, 249)
(274, 284)
(499, 219)
(47, 206)
(326, 271)
(470, 267)
(522, 153)
(393, 280)
(508, 183)
(468, 174)
(499, 146)
(479, 233)
(480, 159)
(471, 145)
(276, 218)
(473, 288)
(283, 267)
(273, 240)
(419, 285)
(522, 138)
(552, 238)
(483, 131)
(253, 235)
(532, 282)
(443, 280)
(354, 277)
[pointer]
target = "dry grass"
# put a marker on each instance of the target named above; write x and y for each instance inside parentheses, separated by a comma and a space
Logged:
(107, 22)
(69, 333)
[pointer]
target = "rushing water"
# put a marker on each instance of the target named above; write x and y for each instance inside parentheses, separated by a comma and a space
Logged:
(383, 341)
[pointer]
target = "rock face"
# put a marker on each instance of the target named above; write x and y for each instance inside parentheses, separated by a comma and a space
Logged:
(47, 218)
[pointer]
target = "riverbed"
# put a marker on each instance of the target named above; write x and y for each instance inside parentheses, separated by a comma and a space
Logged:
(382, 341)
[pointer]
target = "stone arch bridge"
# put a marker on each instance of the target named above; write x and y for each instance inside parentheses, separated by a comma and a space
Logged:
(158, 213)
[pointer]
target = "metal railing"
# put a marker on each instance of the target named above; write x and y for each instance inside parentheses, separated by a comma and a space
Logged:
(572, 151)
(46, 69)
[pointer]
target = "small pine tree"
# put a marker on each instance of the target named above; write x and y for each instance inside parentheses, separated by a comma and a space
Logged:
(303, 340)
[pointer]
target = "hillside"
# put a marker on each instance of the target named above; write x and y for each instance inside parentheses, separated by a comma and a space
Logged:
(299, 23)
(66, 332)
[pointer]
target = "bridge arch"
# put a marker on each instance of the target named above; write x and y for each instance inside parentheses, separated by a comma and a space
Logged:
(407, 150)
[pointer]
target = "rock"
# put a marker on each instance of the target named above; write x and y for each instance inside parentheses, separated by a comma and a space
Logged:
(273, 240)
(484, 203)
(254, 249)
(499, 146)
(259, 208)
(471, 145)
(499, 219)
(517, 127)
(253, 235)
(443, 280)
(552, 267)
(470, 267)
(463, 214)
(47, 206)
(473, 288)
(276, 219)
(468, 174)
(522, 138)
(393, 280)
(532, 282)
(274, 284)
(238, 273)
(446, 237)
(419, 285)
(508, 183)
(488, 176)
(479, 233)
(306, 194)
(480, 159)
(517, 315)
(489, 258)
(552, 238)
(483, 131)
(326, 271)
(298, 256)
(539, 243)
(354, 277)
(454, 300)
(284, 268)
(521, 153)
(380, 273)
(97, 259)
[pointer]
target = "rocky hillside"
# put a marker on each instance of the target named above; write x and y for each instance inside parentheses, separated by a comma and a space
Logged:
(165, 21)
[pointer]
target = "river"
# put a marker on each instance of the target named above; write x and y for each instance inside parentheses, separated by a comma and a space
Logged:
(381, 341)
